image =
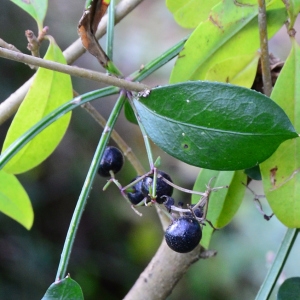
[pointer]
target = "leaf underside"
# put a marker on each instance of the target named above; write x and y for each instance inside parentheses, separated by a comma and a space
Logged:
(36, 8)
(14, 201)
(214, 125)
(49, 90)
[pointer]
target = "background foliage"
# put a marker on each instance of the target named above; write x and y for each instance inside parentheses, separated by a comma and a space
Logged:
(103, 261)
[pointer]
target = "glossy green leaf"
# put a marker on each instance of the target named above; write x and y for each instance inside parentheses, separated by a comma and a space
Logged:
(14, 201)
(290, 289)
(230, 31)
(214, 125)
(49, 90)
(129, 113)
(224, 203)
(253, 173)
(189, 13)
(65, 289)
(36, 8)
(238, 70)
(280, 173)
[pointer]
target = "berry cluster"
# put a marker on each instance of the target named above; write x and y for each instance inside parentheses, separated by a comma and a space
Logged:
(184, 233)
(142, 189)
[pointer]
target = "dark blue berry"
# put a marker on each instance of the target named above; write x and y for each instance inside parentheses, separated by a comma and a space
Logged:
(136, 196)
(184, 234)
(169, 201)
(162, 188)
(198, 211)
(112, 160)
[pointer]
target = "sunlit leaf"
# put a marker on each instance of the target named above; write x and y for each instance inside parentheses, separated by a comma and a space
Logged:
(214, 125)
(36, 8)
(238, 70)
(230, 31)
(281, 172)
(14, 201)
(189, 13)
(224, 203)
(290, 289)
(65, 289)
(49, 90)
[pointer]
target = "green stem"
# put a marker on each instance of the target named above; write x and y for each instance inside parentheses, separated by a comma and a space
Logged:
(110, 29)
(146, 71)
(145, 137)
(277, 265)
(160, 61)
(65, 256)
(128, 152)
(49, 119)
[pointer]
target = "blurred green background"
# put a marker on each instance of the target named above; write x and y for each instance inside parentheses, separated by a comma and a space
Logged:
(113, 244)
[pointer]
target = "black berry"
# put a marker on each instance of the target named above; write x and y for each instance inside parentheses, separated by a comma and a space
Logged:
(198, 211)
(184, 234)
(136, 196)
(112, 160)
(169, 201)
(162, 188)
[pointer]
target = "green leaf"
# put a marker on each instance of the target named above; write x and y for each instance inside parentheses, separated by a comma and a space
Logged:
(65, 289)
(129, 113)
(253, 173)
(36, 8)
(238, 70)
(231, 30)
(190, 13)
(224, 203)
(214, 125)
(293, 9)
(280, 172)
(14, 201)
(49, 90)
(290, 289)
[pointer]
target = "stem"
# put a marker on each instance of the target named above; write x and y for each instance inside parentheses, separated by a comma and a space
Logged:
(139, 75)
(65, 256)
(74, 71)
(110, 29)
(264, 58)
(49, 119)
(72, 53)
(278, 264)
(145, 136)
(163, 272)
(117, 138)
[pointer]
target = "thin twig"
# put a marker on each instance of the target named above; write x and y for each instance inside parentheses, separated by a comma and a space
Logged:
(117, 138)
(74, 71)
(33, 43)
(265, 60)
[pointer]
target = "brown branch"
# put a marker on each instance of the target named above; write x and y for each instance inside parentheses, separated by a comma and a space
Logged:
(73, 52)
(74, 71)
(265, 60)
(161, 275)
